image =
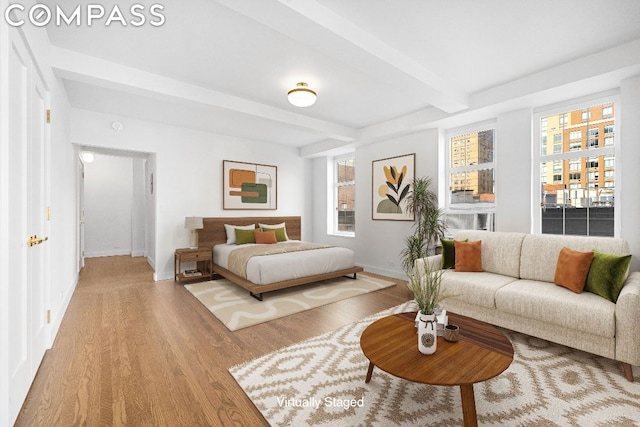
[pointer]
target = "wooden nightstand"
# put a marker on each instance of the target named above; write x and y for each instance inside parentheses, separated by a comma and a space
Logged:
(202, 256)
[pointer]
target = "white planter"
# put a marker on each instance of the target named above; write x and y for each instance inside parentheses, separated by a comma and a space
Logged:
(427, 333)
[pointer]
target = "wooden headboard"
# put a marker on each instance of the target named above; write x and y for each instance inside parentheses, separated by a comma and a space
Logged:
(214, 233)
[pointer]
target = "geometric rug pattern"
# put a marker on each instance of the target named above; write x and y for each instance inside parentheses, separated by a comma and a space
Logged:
(320, 382)
(237, 309)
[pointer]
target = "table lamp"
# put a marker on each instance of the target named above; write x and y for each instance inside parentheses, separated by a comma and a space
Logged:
(193, 223)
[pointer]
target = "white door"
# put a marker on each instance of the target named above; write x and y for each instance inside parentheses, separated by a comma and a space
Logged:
(37, 213)
(80, 181)
(28, 289)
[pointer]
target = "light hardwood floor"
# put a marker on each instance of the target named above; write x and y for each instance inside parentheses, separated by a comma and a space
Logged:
(131, 351)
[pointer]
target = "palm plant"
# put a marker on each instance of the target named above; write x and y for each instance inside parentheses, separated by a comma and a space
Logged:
(414, 249)
(429, 224)
(420, 200)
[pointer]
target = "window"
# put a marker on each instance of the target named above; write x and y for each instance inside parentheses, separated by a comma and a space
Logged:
(576, 134)
(572, 201)
(573, 146)
(563, 120)
(471, 181)
(609, 162)
(345, 195)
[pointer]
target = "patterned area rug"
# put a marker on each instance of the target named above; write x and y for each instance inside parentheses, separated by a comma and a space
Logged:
(237, 309)
(321, 382)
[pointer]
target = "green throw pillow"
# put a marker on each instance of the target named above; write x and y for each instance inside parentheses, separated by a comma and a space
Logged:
(607, 274)
(244, 236)
(449, 253)
(281, 235)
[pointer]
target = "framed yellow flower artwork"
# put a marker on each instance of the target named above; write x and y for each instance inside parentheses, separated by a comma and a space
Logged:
(392, 180)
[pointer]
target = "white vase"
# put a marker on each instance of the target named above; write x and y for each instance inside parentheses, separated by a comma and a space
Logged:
(427, 333)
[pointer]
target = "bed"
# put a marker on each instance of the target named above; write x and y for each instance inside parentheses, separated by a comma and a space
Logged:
(266, 273)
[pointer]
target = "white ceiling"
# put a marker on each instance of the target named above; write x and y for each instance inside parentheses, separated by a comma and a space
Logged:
(380, 67)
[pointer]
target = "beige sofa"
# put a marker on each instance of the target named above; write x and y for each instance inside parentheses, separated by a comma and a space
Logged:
(516, 291)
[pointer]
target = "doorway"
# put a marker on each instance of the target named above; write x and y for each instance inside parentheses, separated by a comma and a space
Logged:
(115, 204)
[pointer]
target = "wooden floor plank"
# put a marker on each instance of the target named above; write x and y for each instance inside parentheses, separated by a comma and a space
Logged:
(131, 351)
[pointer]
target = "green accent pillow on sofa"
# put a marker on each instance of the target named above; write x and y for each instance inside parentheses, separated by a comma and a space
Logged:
(607, 274)
(449, 253)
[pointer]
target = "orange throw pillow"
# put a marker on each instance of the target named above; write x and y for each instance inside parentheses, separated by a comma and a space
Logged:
(468, 256)
(265, 237)
(572, 269)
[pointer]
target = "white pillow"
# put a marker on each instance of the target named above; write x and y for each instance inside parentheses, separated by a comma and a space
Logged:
(273, 226)
(231, 231)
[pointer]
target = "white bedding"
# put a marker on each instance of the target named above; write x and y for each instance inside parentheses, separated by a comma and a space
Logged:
(263, 270)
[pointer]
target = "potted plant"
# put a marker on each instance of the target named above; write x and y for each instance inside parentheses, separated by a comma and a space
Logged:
(425, 287)
(429, 223)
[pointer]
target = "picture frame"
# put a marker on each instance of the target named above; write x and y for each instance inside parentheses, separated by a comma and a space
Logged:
(391, 182)
(249, 186)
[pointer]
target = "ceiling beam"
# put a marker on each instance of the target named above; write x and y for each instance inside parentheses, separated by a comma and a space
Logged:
(88, 69)
(360, 50)
(595, 73)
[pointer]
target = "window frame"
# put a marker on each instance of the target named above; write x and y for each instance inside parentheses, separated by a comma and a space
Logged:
(449, 170)
(606, 99)
(336, 184)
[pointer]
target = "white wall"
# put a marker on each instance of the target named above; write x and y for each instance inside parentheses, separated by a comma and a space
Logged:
(188, 174)
(377, 243)
(627, 159)
(109, 206)
(513, 171)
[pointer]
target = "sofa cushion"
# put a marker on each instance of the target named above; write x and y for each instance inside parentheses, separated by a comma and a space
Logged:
(607, 274)
(572, 269)
(553, 304)
(477, 288)
(500, 250)
(448, 253)
(469, 256)
(539, 256)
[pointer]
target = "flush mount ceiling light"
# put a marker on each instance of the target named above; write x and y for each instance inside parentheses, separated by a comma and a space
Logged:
(301, 95)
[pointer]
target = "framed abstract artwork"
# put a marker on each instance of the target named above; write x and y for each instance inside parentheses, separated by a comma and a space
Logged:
(392, 180)
(249, 186)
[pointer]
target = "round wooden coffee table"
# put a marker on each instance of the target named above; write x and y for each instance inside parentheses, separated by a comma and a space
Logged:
(482, 352)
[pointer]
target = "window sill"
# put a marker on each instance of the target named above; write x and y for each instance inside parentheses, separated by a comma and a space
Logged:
(347, 235)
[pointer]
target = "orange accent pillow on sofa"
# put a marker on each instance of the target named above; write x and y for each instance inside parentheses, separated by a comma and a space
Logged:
(468, 256)
(572, 269)
(265, 237)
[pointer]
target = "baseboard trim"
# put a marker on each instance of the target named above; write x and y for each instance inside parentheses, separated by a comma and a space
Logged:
(106, 253)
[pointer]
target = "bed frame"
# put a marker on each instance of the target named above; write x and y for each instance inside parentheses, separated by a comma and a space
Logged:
(214, 233)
